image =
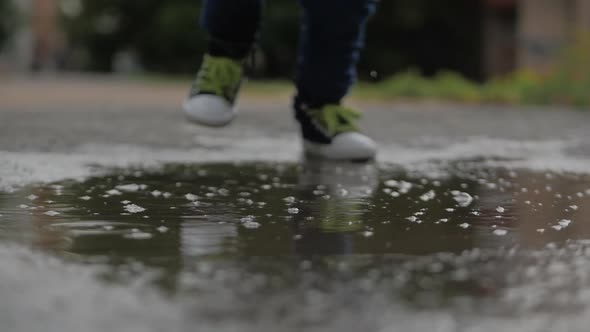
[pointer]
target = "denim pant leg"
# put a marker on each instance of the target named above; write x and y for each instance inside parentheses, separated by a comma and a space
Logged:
(332, 37)
(232, 26)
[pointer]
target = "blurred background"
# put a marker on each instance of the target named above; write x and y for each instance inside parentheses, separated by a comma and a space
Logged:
(504, 51)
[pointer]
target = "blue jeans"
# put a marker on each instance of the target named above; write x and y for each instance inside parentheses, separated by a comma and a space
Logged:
(332, 37)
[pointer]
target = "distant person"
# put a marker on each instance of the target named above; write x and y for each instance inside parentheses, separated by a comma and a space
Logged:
(332, 36)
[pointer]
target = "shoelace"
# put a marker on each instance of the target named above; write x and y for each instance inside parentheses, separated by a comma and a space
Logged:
(337, 119)
(219, 76)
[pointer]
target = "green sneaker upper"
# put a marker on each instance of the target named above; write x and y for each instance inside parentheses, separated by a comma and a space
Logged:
(219, 76)
(336, 119)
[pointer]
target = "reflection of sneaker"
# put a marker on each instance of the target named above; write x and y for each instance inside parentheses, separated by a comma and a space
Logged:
(214, 91)
(349, 187)
(331, 133)
(358, 180)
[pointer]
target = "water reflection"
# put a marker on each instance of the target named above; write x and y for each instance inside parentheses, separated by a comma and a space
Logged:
(257, 227)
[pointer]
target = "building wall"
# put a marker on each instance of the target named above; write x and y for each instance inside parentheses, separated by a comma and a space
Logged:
(16, 54)
(583, 15)
(545, 27)
(48, 40)
(499, 37)
(37, 43)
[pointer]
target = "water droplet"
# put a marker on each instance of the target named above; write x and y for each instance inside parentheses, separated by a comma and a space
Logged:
(113, 192)
(428, 196)
(500, 232)
(191, 197)
(133, 208)
(564, 223)
(462, 198)
(138, 235)
(289, 199)
(251, 224)
(131, 187)
(374, 75)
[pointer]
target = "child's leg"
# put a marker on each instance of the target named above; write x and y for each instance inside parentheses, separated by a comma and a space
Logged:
(232, 26)
(332, 37)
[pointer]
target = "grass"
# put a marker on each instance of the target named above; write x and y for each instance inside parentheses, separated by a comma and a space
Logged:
(519, 88)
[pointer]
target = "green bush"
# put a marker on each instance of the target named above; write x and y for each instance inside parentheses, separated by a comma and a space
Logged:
(444, 85)
(164, 34)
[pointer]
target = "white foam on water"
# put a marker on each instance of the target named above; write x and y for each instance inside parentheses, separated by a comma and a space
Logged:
(18, 168)
(21, 168)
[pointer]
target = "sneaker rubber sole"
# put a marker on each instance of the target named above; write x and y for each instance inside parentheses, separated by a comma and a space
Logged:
(209, 110)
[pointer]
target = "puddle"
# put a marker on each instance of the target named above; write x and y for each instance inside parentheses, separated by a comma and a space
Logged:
(327, 246)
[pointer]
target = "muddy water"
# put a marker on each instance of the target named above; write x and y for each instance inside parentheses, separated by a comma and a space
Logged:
(309, 245)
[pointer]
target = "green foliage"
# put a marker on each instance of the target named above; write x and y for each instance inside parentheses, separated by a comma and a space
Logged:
(166, 37)
(164, 34)
(445, 85)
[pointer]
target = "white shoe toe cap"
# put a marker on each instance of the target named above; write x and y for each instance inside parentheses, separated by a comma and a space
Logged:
(345, 146)
(209, 110)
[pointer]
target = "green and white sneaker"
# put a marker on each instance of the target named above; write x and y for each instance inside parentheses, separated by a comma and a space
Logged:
(331, 132)
(213, 94)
